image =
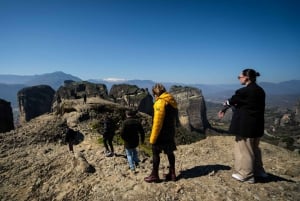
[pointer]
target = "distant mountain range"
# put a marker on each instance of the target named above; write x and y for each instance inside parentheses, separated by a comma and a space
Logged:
(55, 80)
(283, 94)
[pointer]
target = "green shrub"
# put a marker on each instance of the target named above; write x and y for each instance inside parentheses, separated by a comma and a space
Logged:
(289, 141)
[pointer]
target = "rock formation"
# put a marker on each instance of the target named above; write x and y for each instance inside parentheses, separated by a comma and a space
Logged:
(297, 112)
(132, 96)
(77, 90)
(82, 91)
(146, 104)
(34, 101)
(191, 103)
(192, 108)
(6, 116)
(35, 163)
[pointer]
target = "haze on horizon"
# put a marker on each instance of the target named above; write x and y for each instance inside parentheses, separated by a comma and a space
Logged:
(190, 41)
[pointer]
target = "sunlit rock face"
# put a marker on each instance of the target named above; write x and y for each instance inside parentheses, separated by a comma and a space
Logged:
(191, 108)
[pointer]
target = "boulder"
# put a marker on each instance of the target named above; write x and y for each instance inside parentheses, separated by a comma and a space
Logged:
(6, 116)
(77, 90)
(132, 96)
(34, 101)
(146, 104)
(297, 112)
(191, 108)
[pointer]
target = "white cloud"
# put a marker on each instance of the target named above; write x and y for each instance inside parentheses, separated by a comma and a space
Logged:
(114, 79)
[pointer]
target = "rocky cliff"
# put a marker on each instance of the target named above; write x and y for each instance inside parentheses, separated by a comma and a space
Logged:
(34, 101)
(35, 164)
(77, 90)
(125, 94)
(191, 108)
(6, 116)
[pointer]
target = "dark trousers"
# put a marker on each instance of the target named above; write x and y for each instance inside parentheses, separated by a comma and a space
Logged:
(156, 159)
(107, 141)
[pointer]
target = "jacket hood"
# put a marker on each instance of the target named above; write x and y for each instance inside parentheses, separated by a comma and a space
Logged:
(169, 99)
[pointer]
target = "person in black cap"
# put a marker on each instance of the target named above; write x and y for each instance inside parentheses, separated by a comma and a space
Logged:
(130, 131)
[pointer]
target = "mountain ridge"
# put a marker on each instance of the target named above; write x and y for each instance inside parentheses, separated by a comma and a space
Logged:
(24, 79)
(214, 93)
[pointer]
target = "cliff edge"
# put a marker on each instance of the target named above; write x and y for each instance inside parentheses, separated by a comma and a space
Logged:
(35, 169)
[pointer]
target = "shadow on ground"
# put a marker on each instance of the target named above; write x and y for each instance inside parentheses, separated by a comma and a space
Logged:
(272, 178)
(199, 171)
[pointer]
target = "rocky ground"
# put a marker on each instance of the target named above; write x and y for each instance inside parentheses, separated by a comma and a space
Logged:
(35, 169)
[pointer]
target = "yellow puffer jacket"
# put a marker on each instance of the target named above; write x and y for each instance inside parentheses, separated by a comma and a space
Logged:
(160, 105)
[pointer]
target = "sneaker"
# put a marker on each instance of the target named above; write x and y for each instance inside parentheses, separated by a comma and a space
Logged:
(137, 165)
(109, 154)
(240, 178)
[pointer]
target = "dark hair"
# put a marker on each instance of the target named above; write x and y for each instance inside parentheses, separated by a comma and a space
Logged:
(252, 74)
(131, 113)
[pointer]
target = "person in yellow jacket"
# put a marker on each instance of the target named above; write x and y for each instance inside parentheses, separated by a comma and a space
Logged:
(162, 135)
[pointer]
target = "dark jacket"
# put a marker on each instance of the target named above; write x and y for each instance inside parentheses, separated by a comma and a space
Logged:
(248, 104)
(70, 135)
(130, 130)
(109, 128)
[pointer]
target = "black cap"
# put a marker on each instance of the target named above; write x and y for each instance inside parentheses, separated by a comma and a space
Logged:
(131, 113)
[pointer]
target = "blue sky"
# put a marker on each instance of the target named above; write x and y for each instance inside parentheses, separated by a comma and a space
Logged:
(204, 42)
